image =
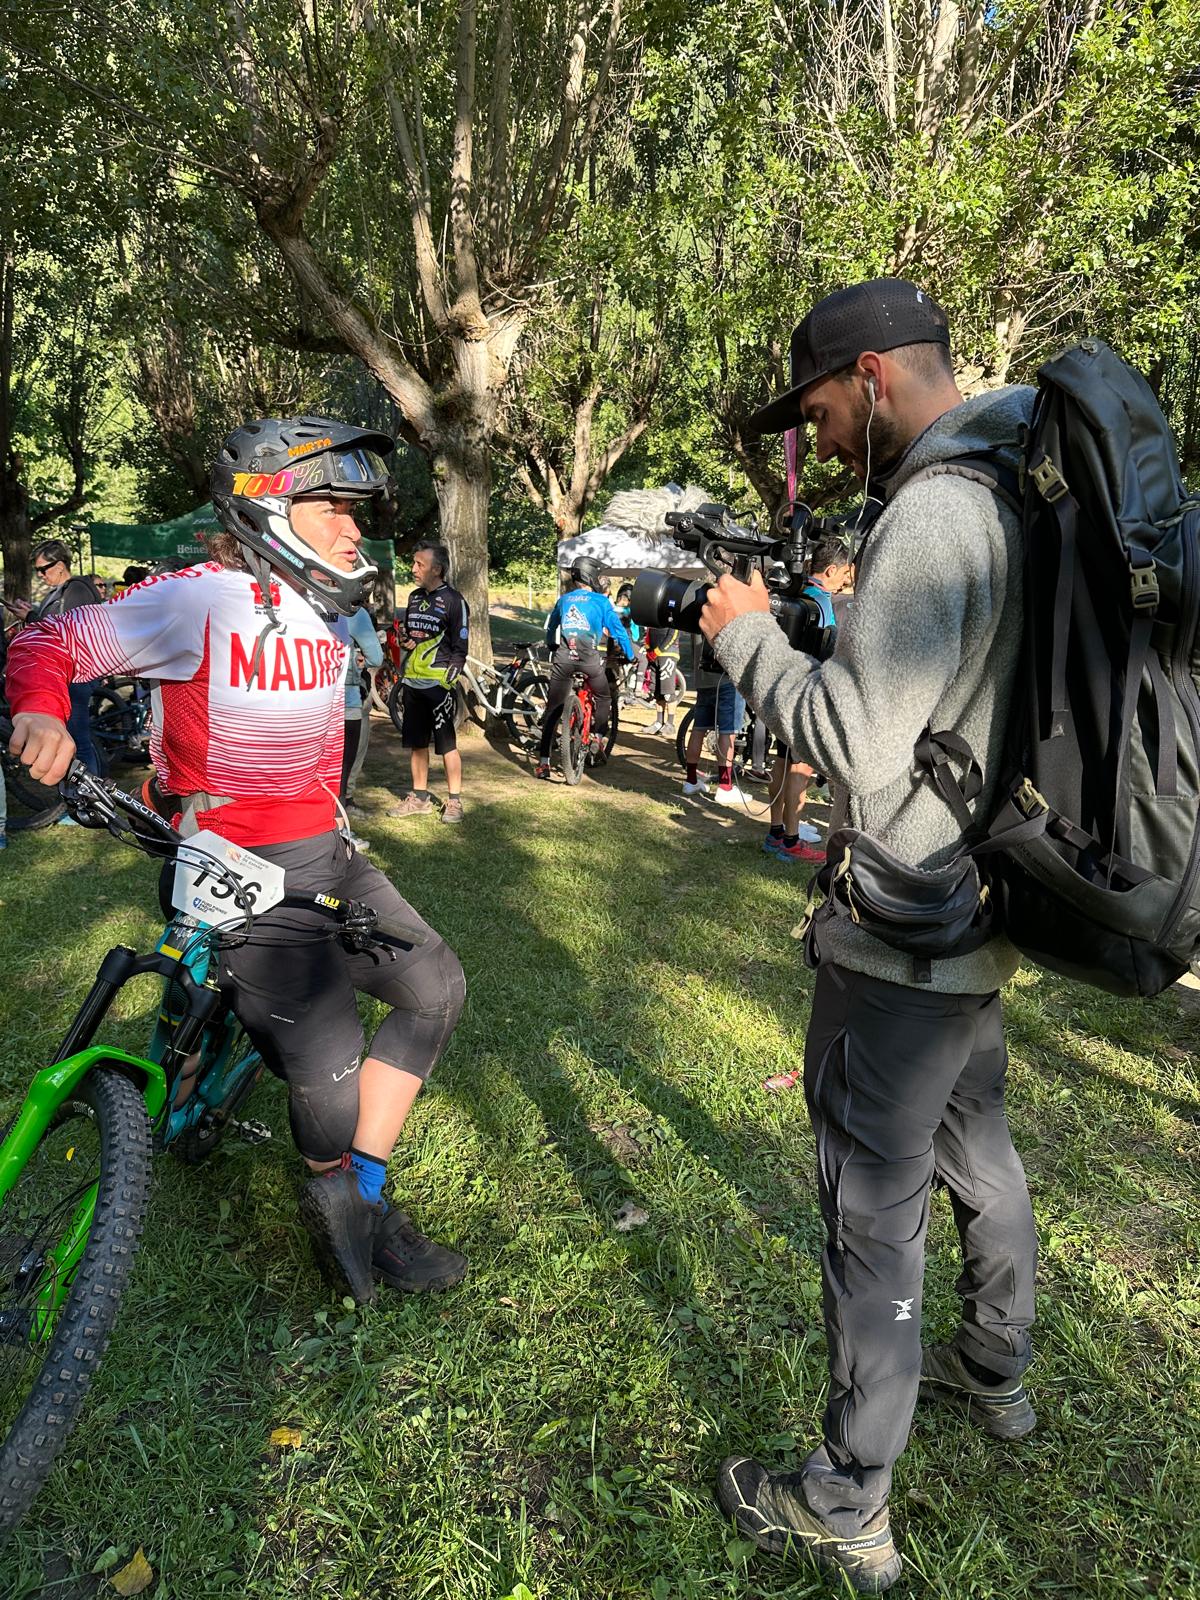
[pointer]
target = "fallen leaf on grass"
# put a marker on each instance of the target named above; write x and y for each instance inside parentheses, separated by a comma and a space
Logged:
(287, 1438)
(618, 1139)
(138, 1575)
(781, 1081)
(629, 1217)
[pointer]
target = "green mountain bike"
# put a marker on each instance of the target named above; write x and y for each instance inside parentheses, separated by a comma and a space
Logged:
(75, 1158)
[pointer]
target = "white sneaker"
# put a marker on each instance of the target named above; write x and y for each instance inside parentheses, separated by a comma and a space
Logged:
(656, 726)
(808, 834)
(733, 796)
(699, 787)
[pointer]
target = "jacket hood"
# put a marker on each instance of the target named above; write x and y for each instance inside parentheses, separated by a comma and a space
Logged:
(982, 423)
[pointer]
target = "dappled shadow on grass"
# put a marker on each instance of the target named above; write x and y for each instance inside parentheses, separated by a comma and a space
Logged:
(631, 983)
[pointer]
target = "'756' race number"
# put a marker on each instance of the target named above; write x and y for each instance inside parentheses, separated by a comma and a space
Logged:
(204, 880)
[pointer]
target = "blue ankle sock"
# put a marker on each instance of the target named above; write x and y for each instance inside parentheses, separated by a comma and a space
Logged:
(370, 1172)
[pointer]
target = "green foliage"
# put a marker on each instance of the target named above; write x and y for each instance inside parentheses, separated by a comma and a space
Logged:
(1040, 175)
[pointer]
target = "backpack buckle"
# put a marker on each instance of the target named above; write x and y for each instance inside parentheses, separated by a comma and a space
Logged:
(1143, 587)
(1051, 484)
(1029, 801)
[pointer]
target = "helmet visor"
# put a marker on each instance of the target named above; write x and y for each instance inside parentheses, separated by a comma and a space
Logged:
(358, 472)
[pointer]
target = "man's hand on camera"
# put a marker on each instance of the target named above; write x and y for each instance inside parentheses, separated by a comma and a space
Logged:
(729, 598)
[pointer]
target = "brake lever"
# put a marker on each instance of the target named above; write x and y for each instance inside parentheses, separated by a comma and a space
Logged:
(87, 801)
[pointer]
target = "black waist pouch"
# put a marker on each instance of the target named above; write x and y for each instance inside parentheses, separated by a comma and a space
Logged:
(926, 915)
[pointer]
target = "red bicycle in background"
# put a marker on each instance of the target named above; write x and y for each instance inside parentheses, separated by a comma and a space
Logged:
(576, 728)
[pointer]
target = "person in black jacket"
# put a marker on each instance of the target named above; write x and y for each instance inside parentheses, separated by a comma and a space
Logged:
(66, 592)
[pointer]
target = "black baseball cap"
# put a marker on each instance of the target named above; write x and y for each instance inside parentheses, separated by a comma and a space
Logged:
(880, 315)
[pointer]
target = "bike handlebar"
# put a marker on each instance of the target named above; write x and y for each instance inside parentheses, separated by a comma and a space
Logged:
(95, 803)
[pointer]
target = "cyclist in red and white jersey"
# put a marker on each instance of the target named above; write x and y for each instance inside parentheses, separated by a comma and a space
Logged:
(247, 743)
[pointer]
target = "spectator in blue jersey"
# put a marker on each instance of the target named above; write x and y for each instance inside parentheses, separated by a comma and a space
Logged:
(575, 631)
(789, 837)
(436, 627)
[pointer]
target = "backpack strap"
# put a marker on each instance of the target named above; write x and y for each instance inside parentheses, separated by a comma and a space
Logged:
(984, 467)
(933, 752)
(1143, 585)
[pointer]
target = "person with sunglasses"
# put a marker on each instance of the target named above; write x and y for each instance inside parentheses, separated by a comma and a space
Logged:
(247, 743)
(66, 591)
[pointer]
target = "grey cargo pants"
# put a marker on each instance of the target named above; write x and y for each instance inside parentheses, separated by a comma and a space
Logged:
(903, 1084)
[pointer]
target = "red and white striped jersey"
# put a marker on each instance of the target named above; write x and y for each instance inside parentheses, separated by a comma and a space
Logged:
(272, 743)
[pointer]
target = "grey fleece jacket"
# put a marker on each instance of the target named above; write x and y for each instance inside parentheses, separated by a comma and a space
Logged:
(933, 637)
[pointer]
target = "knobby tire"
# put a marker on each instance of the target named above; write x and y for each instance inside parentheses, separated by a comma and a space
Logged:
(86, 1318)
(571, 752)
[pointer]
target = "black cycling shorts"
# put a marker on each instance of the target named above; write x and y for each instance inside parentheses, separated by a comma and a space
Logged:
(428, 719)
(296, 998)
(666, 681)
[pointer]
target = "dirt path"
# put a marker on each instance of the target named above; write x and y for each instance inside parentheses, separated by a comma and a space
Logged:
(642, 767)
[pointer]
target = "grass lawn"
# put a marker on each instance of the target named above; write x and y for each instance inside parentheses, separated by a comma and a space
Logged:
(555, 1423)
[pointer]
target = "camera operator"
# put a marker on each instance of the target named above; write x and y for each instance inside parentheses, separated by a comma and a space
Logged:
(904, 1079)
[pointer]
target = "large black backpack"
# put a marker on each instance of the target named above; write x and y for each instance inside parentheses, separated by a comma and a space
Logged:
(1091, 861)
(1098, 876)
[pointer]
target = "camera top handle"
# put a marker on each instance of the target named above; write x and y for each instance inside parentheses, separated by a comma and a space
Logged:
(720, 542)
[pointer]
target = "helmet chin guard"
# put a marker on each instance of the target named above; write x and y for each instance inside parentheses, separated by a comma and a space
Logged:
(264, 466)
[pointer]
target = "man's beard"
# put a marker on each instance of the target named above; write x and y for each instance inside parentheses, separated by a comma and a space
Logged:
(880, 452)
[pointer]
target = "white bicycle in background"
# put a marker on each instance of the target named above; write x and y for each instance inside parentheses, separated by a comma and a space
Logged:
(513, 694)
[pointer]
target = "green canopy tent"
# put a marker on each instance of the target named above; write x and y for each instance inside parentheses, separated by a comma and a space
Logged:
(180, 542)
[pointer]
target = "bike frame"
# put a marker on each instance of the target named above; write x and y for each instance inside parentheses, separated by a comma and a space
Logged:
(216, 1077)
(587, 700)
(474, 674)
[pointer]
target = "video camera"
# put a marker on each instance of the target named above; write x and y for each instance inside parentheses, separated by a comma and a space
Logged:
(660, 600)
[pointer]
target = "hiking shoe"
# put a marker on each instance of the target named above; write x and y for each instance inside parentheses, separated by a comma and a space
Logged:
(406, 1260)
(807, 854)
(410, 806)
(733, 796)
(452, 811)
(343, 1227)
(1003, 1410)
(542, 770)
(770, 1509)
(699, 787)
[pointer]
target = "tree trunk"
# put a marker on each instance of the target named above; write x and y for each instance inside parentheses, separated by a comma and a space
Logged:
(462, 476)
(15, 537)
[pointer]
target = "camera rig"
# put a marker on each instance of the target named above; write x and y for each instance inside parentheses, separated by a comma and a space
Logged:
(725, 546)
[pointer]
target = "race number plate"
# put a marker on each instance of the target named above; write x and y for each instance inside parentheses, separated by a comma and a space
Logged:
(208, 895)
